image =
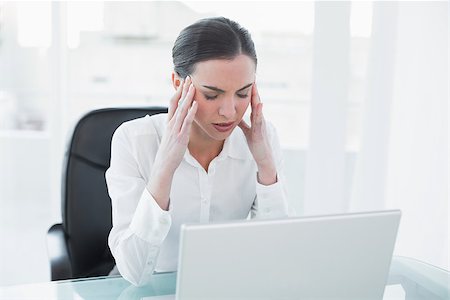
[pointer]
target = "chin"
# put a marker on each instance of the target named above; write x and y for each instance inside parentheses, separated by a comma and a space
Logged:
(219, 136)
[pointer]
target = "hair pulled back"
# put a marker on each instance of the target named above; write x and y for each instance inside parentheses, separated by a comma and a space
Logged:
(210, 38)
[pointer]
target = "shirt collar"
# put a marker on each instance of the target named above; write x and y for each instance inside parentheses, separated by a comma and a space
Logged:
(236, 145)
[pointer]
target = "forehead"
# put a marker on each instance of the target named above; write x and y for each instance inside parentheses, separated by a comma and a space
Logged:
(222, 73)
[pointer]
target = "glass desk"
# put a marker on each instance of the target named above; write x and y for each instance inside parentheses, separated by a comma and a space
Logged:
(408, 279)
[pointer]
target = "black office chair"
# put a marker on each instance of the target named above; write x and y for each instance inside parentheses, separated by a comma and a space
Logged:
(79, 246)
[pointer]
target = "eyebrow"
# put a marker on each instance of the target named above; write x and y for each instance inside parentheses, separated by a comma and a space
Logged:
(222, 91)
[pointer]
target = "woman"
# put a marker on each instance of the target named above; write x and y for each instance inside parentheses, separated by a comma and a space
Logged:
(193, 164)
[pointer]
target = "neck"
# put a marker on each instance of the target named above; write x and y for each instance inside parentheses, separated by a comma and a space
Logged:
(202, 147)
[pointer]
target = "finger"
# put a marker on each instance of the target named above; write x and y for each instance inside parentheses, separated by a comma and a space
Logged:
(187, 83)
(255, 97)
(185, 106)
(173, 104)
(244, 126)
(187, 123)
(258, 115)
(186, 102)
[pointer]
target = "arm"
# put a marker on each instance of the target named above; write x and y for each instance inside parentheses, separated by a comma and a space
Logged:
(139, 224)
(182, 110)
(271, 199)
(262, 140)
(141, 219)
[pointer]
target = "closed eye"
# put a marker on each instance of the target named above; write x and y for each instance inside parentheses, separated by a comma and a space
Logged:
(214, 97)
(210, 97)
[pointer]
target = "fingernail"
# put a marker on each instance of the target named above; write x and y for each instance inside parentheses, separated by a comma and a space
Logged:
(188, 78)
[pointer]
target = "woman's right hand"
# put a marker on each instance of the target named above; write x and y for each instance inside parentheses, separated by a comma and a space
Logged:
(174, 142)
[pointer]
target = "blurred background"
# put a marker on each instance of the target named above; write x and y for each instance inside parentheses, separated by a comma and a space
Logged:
(357, 90)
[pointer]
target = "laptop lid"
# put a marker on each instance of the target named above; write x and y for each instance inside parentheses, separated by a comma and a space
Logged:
(345, 256)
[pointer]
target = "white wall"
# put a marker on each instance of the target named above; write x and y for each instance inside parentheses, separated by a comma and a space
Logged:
(26, 210)
(417, 178)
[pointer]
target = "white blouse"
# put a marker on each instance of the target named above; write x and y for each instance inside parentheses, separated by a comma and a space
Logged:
(144, 238)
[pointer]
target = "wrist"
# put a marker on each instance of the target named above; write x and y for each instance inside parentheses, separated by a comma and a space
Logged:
(267, 175)
(159, 187)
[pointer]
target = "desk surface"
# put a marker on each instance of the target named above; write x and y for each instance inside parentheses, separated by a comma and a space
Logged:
(418, 280)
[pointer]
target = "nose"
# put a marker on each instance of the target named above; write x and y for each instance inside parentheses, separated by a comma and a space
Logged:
(227, 108)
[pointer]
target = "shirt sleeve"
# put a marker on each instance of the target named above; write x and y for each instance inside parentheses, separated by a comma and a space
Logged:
(139, 224)
(271, 200)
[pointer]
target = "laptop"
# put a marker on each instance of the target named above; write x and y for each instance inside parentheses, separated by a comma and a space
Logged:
(343, 256)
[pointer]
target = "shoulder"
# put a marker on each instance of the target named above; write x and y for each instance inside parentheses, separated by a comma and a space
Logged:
(145, 126)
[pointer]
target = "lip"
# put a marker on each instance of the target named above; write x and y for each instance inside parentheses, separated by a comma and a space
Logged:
(223, 127)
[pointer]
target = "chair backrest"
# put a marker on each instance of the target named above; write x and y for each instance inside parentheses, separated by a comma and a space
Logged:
(86, 206)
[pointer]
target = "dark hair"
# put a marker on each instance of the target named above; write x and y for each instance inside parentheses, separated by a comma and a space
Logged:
(210, 38)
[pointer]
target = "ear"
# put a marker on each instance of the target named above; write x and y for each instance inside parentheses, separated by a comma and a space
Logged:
(176, 80)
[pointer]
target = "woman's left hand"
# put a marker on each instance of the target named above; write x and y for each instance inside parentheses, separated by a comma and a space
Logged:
(258, 141)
